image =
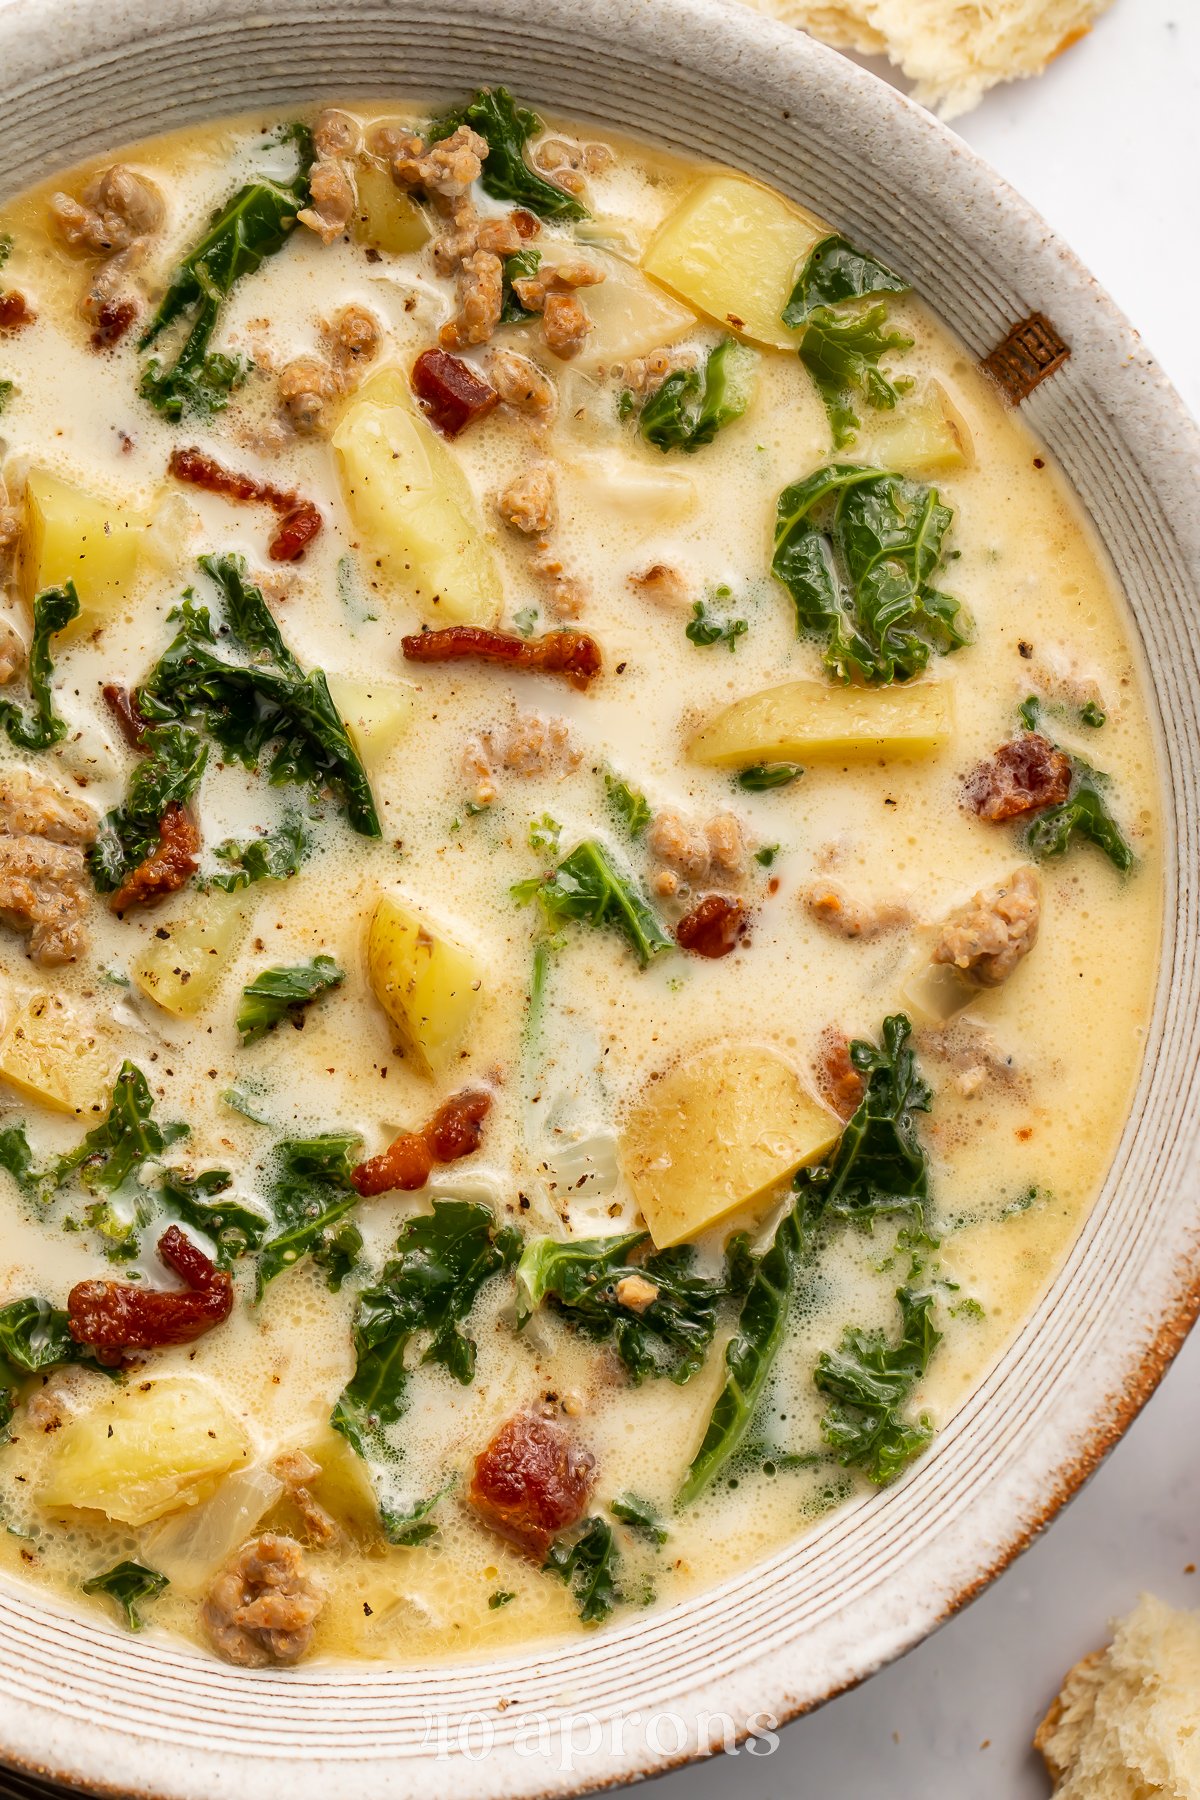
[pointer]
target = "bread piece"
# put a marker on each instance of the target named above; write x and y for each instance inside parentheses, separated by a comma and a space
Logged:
(1124, 1726)
(952, 51)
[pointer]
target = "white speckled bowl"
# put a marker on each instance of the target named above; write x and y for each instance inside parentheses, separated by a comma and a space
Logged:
(107, 1712)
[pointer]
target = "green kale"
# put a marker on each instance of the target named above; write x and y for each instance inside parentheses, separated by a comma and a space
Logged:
(588, 1564)
(544, 834)
(707, 627)
(204, 1200)
(500, 1598)
(168, 776)
(671, 1335)
(266, 703)
(412, 1524)
(640, 1517)
(765, 857)
(689, 409)
(628, 804)
(586, 886)
(841, 352)
(526, 621)
(339, 1253)
(869, 1382)
(857, 549)
(835, 272)
(760, 778)
(284, 993)
(240, 1100)
(128, 1584)
(311, 1194)
(53, 610)
(517, 268)
(507, 175)
(1084, 814)
(117, 1148)
(1093, 714)
(7, 390)
(275, 857)
(254, 224)
(17, 1158)
(34, 1337)
(6, 247)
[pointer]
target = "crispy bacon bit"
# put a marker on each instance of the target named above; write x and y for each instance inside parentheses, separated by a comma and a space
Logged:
(569, 653)
(169, 866)
(15, 311)
(453, 1132)
(713, 926)
(451, 392)
(301, 520)
(112, 322)
(531, 1482)
(113, 1316)
(120, 704)
(840, 1083)
(1025, 775)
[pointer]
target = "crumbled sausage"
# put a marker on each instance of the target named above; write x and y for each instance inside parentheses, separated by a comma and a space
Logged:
(263, 1605)
(12, 522)
(169, 866)
(528, 504)
(453, 1132)
(306, 386)
(114, 222)
(636, 1292)
(641, 373)
(309, 383)
(521, 384)
(973, 1056)
(565, 164)
(44, 890)
(569, 653)
(112, 1317)
(664, 584)
(713, 927)
(32, 807)
(330, 182)
(445, 170)
(848, 918)
(565, 325)
(551, 292)
(480, 297)
(839, 1081)
(297, 1471)
(987, 939)
(530, 746)
(1026, 774)
(698, 852)
(567, 594)
(531, 1482)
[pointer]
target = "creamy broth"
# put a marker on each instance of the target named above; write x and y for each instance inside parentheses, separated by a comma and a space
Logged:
(1030, 1081)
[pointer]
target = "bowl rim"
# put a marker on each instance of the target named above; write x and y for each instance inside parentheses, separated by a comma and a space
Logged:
(44, 42)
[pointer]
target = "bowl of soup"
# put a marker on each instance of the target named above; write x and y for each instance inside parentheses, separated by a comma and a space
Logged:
(598, 677)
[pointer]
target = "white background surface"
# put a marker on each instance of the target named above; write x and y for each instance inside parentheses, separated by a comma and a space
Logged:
(1107, 146)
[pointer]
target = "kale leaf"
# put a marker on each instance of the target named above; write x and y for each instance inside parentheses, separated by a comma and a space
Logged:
(7, 390)
(204, 1200)
(126, 1138)
(53, 610)
(311, 1194)
(869, 1382)
(857, 549)
(253, 224)
(128, 1584)
(669, 1335)
(168, 776)
(707, 627)
(760, 778)
(34, 1337)
(507, 175)
(628, 804)
(267, 703)
(587, 886)
(516, 268)
(1084, 814)
(835, 271)
(275, 857)
(338, 1254)
(640, 1517)
(689, 409)
(284, 993)
(841, 353)
(588, 1564)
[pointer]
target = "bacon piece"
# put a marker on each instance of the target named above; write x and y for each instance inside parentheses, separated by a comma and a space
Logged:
(452, 394)
(15, 311)
(121, 705)
(453, 1132)
(531, 1482)
(569, 653)
(713, 926)
(301, 520)
(1026, 774)
(112, 1316)
(840, 1083)
(169, 866)
(112, 322)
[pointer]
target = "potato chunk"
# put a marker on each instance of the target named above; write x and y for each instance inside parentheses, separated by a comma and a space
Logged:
(150, 1449)
(719, 1133)
(55, 1053)
(926, 435)
(413, 507)
(427, 984)
(733, 250)
(376, 714)
(184, 959)
(807, 719)
(385, 217)
(74, 536)
(630, 315)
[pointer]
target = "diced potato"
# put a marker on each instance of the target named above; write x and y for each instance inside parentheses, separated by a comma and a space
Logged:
(635, 491)
(926, 435)
(74, 536)
(183, 961)
(630, 315)
(807, 719)
(150, 1449)
(384, 215)
(719, 1133)
(733, 250)
(426, 984)
(376, 714)
(55, 1053)
(413, 507)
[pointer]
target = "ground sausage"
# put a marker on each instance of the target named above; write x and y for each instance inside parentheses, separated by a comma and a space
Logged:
(330, 182)
(848, 918)
(44, 890)
(12, 653)
(528, 503)
(263, 1605)
(521, 384)
(698, 852)
(1026, 774)
(531, 1482)
(32, 807)
(298, 1471)
(987, 939)
(839, 1081)
(114, 222)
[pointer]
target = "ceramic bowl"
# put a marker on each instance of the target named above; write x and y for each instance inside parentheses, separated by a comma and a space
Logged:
(111, 1713)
